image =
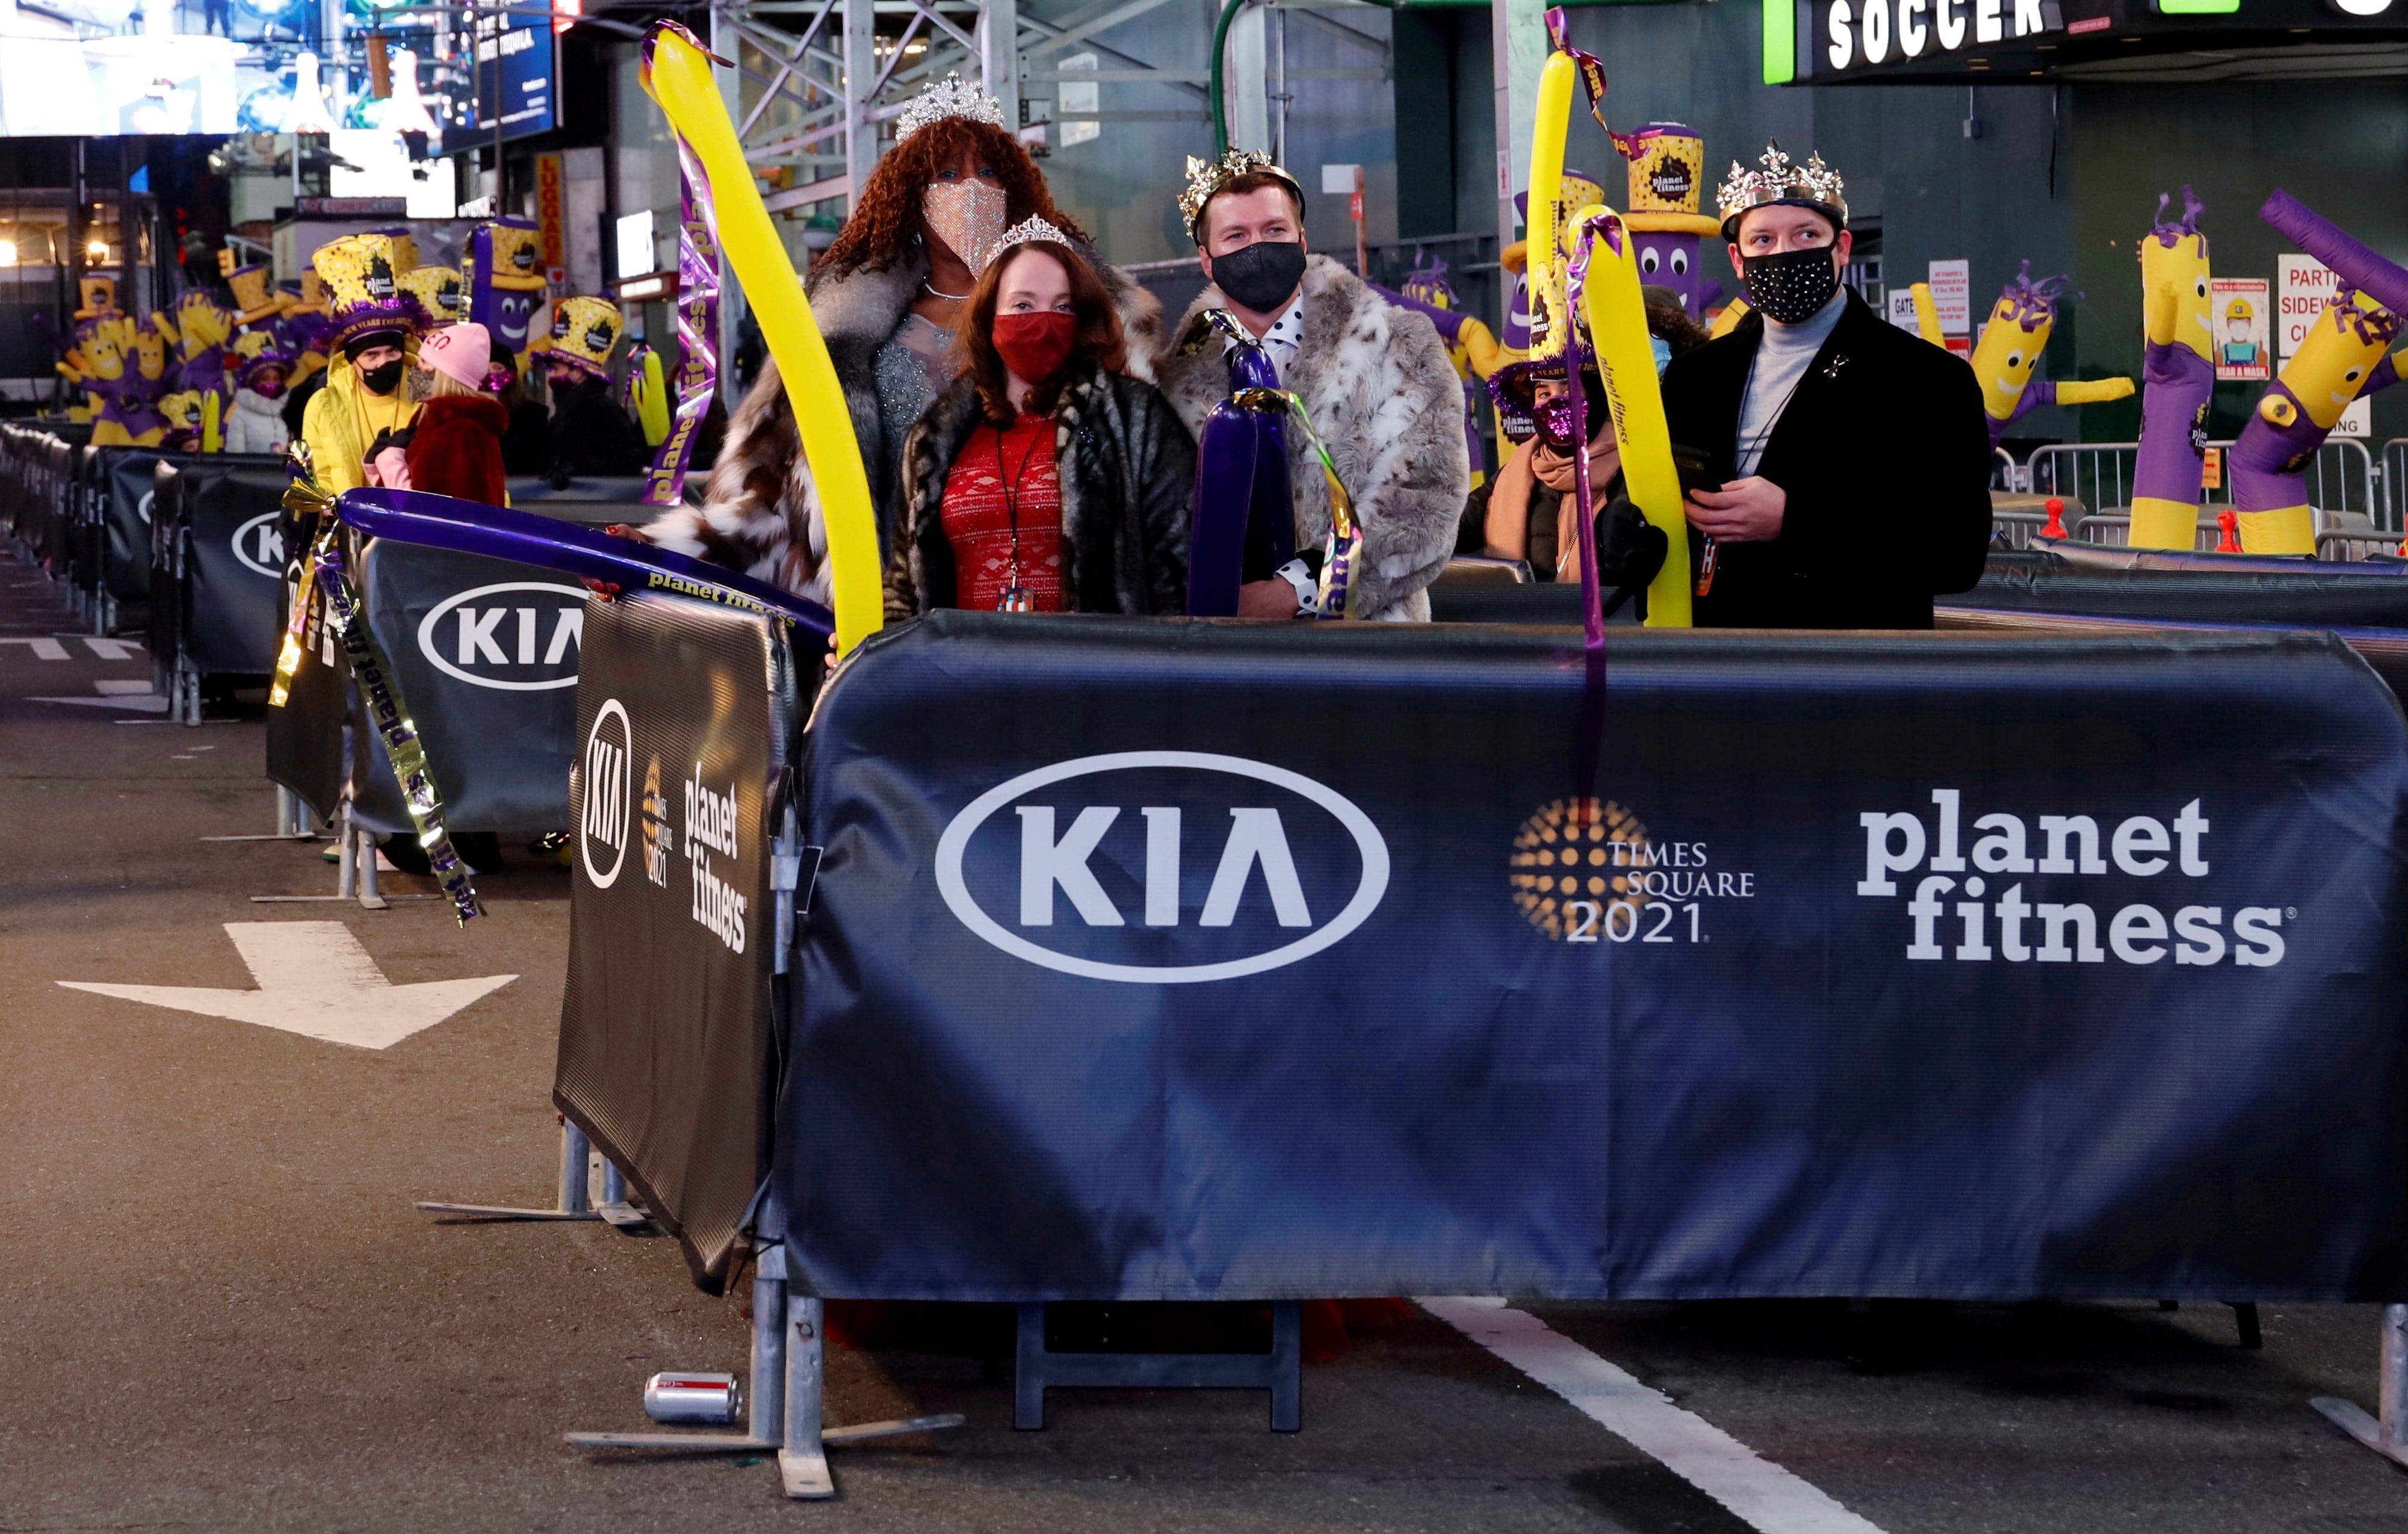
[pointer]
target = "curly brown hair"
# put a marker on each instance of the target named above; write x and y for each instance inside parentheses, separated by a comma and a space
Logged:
(1101, 340)
(887, 218)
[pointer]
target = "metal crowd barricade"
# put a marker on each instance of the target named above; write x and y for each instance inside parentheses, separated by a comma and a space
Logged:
(2096, 474)
(2016, 529)
(2391, 462)
(2005, 473)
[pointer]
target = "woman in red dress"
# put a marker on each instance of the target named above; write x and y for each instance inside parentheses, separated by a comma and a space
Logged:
(1044, 479)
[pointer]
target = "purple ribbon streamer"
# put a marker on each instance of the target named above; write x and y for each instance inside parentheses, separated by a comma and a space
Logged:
(698, 376)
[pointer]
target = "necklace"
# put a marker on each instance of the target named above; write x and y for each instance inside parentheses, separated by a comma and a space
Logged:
(939, 292)
(1015, 597)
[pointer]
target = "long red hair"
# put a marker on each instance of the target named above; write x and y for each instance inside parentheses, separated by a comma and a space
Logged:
(1099, 341)
(884, 223)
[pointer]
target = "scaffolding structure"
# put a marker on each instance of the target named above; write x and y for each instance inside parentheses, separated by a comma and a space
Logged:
(813, 81)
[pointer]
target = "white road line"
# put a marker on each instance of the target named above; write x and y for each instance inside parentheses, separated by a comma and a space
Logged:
(44, 650)
(1758, 1491)
(113, 650)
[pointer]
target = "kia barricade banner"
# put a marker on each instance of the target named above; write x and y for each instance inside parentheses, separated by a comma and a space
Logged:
(234, 563)
(486, 654)
(1173, 960)
(682, 713)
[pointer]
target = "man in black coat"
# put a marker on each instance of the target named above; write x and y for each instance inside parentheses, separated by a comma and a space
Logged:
(1852, 456)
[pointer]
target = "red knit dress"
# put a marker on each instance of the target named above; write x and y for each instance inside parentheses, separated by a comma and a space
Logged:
(1006, 480)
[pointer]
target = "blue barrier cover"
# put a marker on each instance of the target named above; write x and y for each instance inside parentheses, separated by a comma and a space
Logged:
(1164, 960)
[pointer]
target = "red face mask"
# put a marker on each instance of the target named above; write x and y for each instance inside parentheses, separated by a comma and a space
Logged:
(1034, 346)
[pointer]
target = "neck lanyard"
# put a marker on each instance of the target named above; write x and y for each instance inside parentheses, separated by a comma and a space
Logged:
(1015, 596)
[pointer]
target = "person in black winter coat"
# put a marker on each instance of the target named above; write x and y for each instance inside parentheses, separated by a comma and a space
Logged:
(590, 433)
(1855, 470)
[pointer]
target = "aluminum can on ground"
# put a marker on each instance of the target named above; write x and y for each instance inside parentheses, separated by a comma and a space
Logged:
(692, 1396)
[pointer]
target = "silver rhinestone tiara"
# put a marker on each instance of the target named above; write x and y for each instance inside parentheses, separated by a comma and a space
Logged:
(1028, 231)
(952, 96)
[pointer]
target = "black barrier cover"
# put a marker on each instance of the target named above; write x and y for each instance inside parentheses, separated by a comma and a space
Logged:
(125, 482)
(2311, 597)
(486, 653)
(681, 716)
(233, 596)
(1168, 961)
(596, 501)
(305, 737)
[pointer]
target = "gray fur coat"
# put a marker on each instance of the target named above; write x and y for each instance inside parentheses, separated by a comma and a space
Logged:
(1381, 392)
(761, 513)
(1127, 471)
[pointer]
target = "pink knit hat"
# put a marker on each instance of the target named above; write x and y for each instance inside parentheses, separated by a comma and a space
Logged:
(462, 353)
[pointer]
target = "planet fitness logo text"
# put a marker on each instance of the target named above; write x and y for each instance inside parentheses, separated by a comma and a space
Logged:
(2021, 930)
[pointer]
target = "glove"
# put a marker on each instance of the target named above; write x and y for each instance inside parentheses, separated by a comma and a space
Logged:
(1630, 553)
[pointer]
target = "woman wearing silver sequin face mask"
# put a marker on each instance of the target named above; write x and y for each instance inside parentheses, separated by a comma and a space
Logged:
(885, 295)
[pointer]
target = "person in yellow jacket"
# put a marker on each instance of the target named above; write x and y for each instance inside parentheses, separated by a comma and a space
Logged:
(362, 404)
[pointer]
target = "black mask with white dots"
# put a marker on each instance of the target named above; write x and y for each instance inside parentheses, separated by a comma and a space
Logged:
(1792, 286)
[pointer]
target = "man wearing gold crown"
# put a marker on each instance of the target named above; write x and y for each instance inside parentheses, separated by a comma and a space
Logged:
(1853, 458)
(1374, 379)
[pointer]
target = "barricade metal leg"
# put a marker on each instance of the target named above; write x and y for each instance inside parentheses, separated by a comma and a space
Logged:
(784, 1414)
(614, 1206)
(1281, 1372)
(2387, 1435)
(355, 877)
(367, 859)
(573, 1204)
(292, 821)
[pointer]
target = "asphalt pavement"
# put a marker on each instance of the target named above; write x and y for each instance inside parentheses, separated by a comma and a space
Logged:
(218, 1308)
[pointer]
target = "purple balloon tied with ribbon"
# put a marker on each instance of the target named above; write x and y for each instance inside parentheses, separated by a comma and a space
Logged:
(1242, 486)
(697, 310)
(588, 553)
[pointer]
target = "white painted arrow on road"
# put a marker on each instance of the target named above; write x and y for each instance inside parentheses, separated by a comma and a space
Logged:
(314, 979)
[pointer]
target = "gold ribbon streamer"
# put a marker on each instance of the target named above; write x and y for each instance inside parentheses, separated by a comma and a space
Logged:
(381, 693)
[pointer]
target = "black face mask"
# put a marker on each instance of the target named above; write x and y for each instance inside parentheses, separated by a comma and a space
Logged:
(385, 377)
(1261, 276)
(1793, 286)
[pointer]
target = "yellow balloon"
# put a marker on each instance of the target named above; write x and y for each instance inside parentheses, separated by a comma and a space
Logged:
(653, 401)
(1626, 355)
(1926, 313)
(2092, 391)
(1546, 274)
(677, 76)
(1727, 319)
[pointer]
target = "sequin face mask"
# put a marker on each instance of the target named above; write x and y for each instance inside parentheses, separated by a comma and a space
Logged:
(969, 216)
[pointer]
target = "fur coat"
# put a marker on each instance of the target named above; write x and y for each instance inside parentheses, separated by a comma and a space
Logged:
(761, 513)
(1128, 470)
(1381, 391)
(455, 448)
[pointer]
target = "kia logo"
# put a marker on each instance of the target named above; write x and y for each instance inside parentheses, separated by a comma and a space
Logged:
(1229, 863)
(602, 830)
(259, 543)
(518, 635)
(142, 510)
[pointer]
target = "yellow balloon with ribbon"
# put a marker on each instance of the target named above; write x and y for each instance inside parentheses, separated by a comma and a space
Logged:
(676, 75)
(1626, 360)
(1546, 282)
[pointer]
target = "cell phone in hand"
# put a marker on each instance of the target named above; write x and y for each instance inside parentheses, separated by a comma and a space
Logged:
(1695, 470)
